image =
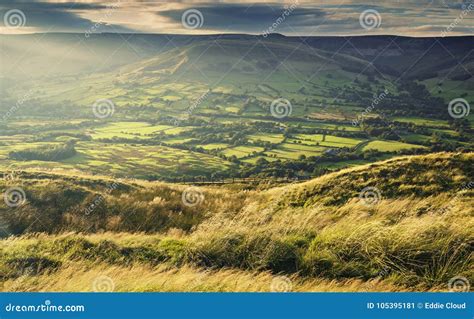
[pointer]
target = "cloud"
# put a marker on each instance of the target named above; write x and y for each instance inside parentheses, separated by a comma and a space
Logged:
(63, 16)
(242, 18)
(315, 17)
(42, 5)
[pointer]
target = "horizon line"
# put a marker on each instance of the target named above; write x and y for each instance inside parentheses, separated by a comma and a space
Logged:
(246, 34)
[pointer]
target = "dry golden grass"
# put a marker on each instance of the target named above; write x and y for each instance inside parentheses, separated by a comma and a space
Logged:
(320, 234)
(77, 277)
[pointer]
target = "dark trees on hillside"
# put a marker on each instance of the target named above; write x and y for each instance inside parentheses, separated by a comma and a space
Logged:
(45, 153)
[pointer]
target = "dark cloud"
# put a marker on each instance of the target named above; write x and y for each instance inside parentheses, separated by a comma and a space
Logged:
(57, 16)
(247, 18)
(38, 5)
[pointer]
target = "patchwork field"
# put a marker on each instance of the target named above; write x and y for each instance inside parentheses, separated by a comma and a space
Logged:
(200, 110)
(144, 149)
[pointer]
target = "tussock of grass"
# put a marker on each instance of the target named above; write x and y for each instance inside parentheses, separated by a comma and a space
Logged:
(139, 278)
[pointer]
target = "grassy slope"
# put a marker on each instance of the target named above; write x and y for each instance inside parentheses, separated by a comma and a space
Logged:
(318, 233)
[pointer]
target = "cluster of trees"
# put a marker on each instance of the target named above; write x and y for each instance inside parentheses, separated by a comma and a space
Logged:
(463, 127)
(304, 166)
(52, 152)
(414, 99)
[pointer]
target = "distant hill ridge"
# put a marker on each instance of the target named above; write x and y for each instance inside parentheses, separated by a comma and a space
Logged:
(438, 53)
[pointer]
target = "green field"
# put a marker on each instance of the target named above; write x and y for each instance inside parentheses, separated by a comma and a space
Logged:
(129, 130)
(294, 151)
(327, 140)
(140, 161)
(242, 151)
(389, 146)
(422, 121)
(272, 138)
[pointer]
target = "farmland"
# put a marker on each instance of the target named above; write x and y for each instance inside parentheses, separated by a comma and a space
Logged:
(156, 150)
(200, 110)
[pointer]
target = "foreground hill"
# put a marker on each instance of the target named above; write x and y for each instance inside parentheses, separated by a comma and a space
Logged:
(401, 224)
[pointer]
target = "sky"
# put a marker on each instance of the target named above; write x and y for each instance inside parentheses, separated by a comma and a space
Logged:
(294, 17)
